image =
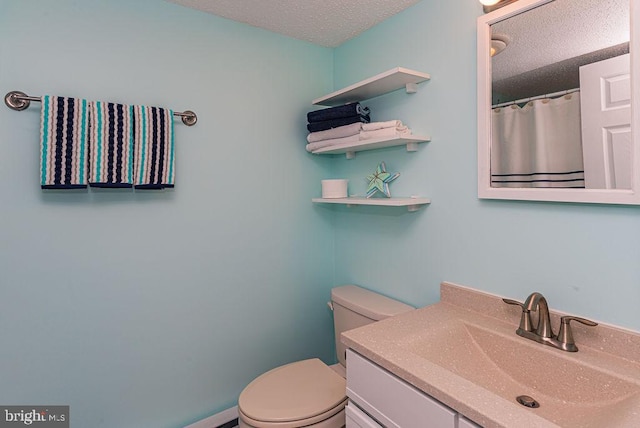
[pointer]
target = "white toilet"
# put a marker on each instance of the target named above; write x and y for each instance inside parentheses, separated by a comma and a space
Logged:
(309, 393)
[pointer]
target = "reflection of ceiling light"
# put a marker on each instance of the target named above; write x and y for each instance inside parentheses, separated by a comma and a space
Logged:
(499, 42)
(497, 46)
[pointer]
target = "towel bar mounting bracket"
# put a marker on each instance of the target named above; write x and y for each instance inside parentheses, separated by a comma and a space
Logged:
(17, 100)
(188, 117)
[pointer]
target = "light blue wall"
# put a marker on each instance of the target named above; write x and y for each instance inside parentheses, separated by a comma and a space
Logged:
(155, 309)
(584, 258)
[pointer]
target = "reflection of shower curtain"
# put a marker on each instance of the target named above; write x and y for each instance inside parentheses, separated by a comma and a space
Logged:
(538, 145)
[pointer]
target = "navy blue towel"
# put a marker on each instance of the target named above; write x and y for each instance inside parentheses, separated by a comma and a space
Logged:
(347, 110)
(334, 123)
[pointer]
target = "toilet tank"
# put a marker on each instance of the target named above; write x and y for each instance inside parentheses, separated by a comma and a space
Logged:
(355, 307)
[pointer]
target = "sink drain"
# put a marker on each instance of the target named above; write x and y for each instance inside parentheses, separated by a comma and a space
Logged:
(527, 401)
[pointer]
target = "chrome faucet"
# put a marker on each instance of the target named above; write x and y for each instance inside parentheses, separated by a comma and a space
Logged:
(543, 333)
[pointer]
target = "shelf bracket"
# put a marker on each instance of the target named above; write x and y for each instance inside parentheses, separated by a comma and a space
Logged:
(350, 155)
(413, 208)
(412, 147)
(411, 88)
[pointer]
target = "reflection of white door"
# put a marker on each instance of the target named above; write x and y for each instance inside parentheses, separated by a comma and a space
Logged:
(605, 94)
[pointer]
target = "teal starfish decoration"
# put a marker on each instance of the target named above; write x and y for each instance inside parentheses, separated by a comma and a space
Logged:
(379, 181)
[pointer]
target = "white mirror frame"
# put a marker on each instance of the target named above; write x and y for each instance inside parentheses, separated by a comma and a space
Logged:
(606, 196)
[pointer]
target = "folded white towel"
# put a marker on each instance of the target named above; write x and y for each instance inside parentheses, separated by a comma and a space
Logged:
(380, 125)
(385, 133)
(337, 132)
(332, 142)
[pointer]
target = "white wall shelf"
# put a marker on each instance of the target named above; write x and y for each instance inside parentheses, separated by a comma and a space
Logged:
(379, 84)
(412, 204)
(411, 141)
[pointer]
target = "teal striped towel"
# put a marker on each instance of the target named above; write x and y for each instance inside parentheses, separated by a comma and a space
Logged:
(154, 148)
(111, 143)
(63, 143)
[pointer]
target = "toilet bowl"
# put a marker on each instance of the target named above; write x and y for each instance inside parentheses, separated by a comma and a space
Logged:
(300, 394)
(309, 393)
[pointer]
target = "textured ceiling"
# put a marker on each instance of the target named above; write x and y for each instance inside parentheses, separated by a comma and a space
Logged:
(322, 22)
(549, 43)
(546, 44)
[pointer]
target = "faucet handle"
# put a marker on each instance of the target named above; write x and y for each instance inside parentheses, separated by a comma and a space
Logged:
(525, 318)
(565, 335)
(513, 302)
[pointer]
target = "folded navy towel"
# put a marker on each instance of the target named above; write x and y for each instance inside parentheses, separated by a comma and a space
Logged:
(111, 143)
(338, 112)
(334, 123)
(63, 144)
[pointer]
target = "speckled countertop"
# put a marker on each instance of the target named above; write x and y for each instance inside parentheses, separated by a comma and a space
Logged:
(464, 352)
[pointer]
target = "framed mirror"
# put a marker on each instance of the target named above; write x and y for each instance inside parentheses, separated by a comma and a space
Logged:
(559, 101)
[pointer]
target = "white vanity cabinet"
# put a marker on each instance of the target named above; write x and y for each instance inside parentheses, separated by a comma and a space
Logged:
(378, 398)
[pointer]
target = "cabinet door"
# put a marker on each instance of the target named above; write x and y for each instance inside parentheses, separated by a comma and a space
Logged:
(356, 418)
(392, 401)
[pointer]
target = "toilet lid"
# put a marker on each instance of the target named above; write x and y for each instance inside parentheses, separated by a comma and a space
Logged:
(292, 392)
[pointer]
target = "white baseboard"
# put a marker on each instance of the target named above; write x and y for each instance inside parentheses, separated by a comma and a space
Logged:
(216, 420)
